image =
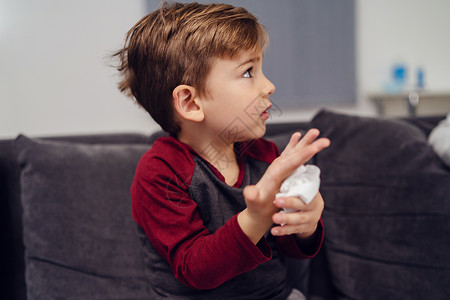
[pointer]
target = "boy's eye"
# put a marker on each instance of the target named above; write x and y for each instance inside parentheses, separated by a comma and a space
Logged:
(248, 73)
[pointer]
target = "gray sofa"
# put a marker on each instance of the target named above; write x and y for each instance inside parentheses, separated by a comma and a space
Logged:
(67, 230)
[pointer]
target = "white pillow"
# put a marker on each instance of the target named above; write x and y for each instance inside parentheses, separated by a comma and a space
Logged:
(439, 140)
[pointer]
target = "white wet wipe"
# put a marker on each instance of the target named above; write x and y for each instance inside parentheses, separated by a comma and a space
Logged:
(303, 183)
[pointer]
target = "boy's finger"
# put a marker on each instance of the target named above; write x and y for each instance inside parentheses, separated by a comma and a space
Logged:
(293, 229)
(303, 154)
(284, 166)
(290, 218)
(309, 137)
(289, 229)
(294, 203)
(295, 137)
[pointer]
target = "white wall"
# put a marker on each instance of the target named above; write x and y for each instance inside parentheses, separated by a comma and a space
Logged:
(415, 32)
(54, 72)
(54, 78)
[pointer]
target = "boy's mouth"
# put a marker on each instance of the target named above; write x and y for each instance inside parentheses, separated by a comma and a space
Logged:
(265, 114)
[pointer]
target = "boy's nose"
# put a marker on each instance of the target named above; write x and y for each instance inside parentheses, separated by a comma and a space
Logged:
(269, 86)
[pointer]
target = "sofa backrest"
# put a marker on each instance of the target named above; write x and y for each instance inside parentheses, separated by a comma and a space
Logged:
(12, 254)
(387, 208)
(12, 263)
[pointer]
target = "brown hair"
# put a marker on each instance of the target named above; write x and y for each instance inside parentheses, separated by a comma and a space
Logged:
(176, 45)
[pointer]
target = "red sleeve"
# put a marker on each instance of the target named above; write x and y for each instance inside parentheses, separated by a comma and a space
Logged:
(162, 207)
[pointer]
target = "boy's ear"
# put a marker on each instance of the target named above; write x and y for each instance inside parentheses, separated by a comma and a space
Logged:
(186, 103)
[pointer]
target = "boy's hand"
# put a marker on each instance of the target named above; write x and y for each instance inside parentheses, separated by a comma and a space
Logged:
(256, 219)
(303, 221)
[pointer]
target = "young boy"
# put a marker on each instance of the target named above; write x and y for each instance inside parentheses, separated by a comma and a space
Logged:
(204, 198)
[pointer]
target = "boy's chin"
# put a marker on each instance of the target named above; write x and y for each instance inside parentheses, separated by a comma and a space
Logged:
(255, 133)
(261, 130)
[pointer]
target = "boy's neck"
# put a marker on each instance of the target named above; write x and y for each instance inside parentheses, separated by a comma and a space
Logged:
(218, 153)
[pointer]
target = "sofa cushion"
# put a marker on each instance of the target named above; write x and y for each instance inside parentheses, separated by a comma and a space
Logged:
(80, 239)
(387, 209)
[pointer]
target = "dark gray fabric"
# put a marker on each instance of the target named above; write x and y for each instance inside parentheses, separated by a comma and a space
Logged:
(387, 209)
(78, 232)
(12, 285)
(217, 203)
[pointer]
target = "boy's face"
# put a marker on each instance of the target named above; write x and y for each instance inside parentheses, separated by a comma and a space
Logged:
(237, 98)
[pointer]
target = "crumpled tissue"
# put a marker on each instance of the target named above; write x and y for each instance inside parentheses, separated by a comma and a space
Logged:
(303, 183)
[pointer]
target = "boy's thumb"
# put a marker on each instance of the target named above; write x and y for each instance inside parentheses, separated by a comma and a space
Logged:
(251, 193)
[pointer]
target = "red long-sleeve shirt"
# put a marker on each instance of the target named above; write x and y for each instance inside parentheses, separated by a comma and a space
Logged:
(189, 215)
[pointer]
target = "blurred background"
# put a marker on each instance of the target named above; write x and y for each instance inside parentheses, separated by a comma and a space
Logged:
(363, 57)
